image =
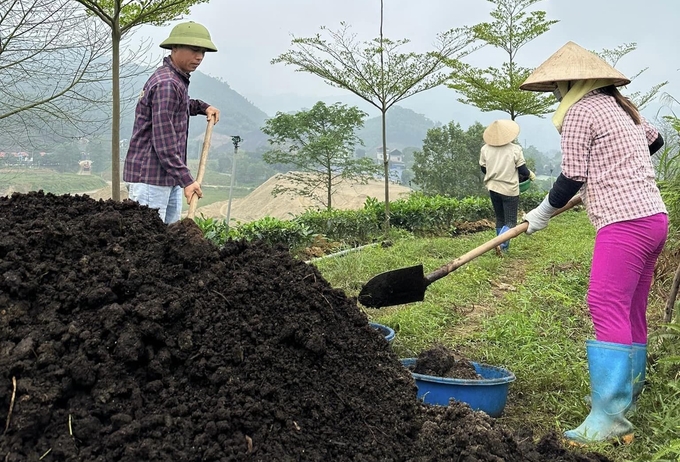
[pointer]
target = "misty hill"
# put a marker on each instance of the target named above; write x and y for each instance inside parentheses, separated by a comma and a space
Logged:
(404, 127)
(238, 116)
(439, 105)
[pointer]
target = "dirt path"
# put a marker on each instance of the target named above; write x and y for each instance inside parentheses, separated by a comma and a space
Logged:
(512, 273)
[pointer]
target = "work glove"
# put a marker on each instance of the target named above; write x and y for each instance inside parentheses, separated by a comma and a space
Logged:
(538, 217)
(532, 175)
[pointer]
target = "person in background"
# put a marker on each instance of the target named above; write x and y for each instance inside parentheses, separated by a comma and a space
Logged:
(156, 169)
(504, 167)
(606, 147)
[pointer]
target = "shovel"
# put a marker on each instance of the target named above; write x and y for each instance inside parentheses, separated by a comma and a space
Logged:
(407, 285)
(201, 167)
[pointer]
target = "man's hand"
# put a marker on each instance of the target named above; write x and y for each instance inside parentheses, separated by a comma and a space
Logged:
(193, 188)
(213, 113)
(532, 175)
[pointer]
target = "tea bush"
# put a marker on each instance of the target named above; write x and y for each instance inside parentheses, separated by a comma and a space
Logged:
(418, 214)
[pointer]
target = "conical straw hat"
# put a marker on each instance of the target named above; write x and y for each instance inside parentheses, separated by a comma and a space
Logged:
(571, 62)
(501, 132)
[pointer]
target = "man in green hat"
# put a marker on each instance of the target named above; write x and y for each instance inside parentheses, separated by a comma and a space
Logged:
(156, 169)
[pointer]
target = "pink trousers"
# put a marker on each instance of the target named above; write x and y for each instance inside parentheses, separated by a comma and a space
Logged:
(621, 276)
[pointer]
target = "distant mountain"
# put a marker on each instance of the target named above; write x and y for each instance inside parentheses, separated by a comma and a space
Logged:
(238, 116)
(440, 105)
(404, 128)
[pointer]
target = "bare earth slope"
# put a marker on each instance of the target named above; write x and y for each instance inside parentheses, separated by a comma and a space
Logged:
(261, 203)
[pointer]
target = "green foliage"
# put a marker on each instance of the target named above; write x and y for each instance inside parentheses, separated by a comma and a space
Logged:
(525, 311)
(496, 88)
(376, 71)
(319, 144)
(351, 227)
(613, 55)
(273, 231)
(416, 215)
(668, 167)
(134, 13)
(449, 162)
(662, 394)
(52, 182)
(216, 231)
(668, 163)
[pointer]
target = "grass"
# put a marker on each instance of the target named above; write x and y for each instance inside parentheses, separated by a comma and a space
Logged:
(525, 311)
(215, 189)
(49, 181)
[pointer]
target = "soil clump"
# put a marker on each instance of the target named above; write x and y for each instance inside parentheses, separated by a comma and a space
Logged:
(129, 340)
(441, 361)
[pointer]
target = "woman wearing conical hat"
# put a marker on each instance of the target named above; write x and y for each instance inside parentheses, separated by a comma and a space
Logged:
(503, 165)
(606, 146)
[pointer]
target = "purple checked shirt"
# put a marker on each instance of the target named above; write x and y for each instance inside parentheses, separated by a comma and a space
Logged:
(158, 148)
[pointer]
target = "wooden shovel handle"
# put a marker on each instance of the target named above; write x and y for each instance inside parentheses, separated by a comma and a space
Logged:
(492, 244)
(201, 166)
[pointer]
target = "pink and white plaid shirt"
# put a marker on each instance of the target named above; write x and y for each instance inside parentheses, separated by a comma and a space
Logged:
(602, 146)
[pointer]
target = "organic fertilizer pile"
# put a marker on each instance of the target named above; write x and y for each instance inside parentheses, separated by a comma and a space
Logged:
(122, 339)
(441, 361)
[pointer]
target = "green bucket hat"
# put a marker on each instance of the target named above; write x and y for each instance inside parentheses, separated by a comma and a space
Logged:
(190, 34)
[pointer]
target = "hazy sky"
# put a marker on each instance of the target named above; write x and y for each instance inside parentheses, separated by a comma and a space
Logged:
(250, 33)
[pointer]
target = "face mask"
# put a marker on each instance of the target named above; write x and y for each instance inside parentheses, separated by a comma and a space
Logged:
(557, 94)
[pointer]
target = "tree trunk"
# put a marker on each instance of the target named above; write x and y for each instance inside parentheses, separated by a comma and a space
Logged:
(386, 168)
(115, 122)
(383, 110)
(329, 187)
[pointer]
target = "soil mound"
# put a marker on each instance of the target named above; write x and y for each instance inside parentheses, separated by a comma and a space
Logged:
(122, 339)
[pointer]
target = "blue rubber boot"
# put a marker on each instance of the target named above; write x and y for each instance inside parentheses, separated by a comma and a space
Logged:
(639, 369)
(505, 245)
(611, 394)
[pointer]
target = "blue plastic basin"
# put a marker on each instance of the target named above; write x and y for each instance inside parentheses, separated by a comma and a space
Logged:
(487, 394)
(388, 332)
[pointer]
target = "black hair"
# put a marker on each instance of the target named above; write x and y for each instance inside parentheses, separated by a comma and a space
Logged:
(626, 104)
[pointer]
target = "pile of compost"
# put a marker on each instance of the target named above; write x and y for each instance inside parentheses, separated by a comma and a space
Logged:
(441, 361)
(123, 339)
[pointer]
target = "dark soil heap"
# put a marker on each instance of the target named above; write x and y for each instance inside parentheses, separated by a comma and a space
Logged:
(132, 341)
(441, 361)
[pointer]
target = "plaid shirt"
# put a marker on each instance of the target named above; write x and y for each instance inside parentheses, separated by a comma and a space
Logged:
(158, 148)
(602, 146)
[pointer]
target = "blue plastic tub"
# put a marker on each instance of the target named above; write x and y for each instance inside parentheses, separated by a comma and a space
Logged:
(388, 332)
(488, 394)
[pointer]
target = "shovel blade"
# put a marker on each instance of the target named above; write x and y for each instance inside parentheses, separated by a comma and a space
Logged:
(396, 287)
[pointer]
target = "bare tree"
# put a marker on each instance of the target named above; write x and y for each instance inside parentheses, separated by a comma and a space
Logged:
(52, 70)
(121, 17)
(377, 71)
